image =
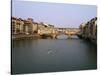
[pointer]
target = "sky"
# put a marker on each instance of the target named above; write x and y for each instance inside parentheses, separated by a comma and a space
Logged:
(58, 14)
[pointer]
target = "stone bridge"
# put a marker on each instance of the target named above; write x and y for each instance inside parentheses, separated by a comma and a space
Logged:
(54, 32)
(67, 31)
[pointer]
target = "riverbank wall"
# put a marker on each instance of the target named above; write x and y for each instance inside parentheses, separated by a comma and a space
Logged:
(90, 39)
(24, 36)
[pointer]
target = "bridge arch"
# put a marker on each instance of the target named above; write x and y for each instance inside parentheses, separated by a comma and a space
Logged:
(65, 35)
(69, 32)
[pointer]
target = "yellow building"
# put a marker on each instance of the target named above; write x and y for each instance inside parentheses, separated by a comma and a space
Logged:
(17, 25)
(28, 27)
(35, 27)
(82, 29)
(44, 28)
(94, 31)
(89, 30)
(13, 25)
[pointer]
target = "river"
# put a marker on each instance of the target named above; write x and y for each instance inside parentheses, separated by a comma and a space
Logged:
(51, 55)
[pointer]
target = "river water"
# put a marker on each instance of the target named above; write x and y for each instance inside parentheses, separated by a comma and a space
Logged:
(51, 55)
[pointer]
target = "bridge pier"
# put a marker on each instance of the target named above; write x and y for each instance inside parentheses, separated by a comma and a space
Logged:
(54, 36)
(69, 36)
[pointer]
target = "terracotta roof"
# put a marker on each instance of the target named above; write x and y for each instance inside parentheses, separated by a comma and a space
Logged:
(35, 22)
(14, 18)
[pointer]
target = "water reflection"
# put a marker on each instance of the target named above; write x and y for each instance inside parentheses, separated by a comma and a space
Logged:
(49, 55)
(63, 36)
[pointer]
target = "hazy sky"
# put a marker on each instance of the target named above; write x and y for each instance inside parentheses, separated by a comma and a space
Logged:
(58, 14)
